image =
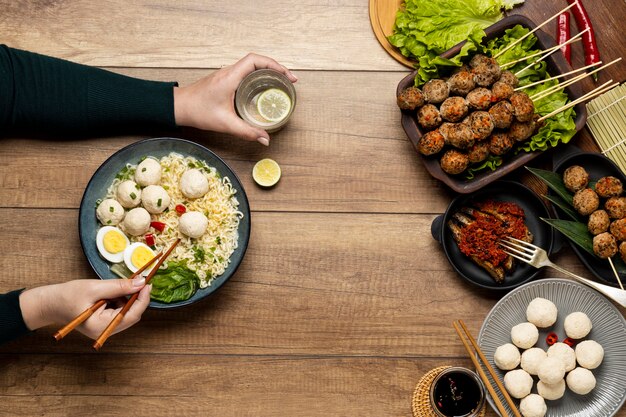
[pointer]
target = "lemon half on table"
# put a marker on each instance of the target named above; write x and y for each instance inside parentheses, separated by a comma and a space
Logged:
(273, 105)
(266, 172)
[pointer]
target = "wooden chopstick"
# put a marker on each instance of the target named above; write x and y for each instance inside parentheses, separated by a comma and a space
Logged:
(482, 374)
(65, 330)
(118, 318)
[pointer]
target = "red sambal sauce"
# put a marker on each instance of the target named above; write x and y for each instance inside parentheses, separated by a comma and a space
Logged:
(480, 238)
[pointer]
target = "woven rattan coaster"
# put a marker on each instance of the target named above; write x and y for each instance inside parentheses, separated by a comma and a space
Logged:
(421, 395)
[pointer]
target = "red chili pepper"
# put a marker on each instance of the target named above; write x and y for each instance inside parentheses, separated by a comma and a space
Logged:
(563, 35)
(180, 209)
(158, 226)
(569, 342)
(552, 338)
(150, 239)
(592, 56)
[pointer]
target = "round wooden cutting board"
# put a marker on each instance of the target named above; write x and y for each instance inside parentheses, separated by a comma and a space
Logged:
(382, 18)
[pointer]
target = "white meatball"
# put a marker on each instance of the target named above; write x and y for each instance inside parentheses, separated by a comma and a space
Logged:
(507, 357)
(518, 383)
(541, 312)
(551, 391)
(110, 212)
(551, 370)
(193, 183)
(155, 199)
(589, 354)
(531, 360)
(137, 221)
(524, 335)
(129, 194)
(564, 353)
(148, 172)
(577, 325)
(533, 406)
(581, 381)
(193, 224)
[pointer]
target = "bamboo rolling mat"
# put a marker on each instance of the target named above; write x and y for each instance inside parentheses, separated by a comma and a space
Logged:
(607, 122)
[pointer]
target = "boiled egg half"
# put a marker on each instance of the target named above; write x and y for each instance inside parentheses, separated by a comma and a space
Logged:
(111, 243)
(137, 255)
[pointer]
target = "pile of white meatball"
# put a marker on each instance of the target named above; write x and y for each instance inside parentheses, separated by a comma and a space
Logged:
(154, 199)
(549, 366)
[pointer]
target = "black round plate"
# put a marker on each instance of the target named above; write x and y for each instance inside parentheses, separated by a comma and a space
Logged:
(508, 191)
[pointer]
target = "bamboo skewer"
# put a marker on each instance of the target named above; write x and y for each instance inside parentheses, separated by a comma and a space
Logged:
(120, 316)
(482, 374)
(558, 76)
(534, 30)
(597, 91)
(605, 108)
(65, 330)
(526, 58)
(619, 281)
(553, 51)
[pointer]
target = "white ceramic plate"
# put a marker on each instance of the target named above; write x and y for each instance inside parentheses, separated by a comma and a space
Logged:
(609, 329)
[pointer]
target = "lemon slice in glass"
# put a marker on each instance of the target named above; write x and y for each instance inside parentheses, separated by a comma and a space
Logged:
(273, 105)
(266, 172)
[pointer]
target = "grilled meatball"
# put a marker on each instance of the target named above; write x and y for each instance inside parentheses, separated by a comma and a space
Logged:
(509, 78)
(411, 98)
(460, 136)
(479, 98)
(616, 207)
(523, 107)
(454, 162)
(479, 59)
(479, 152)
(453, 109)
(436, 91)
(481, 124)
(428, 116)
(586, 201)
(461, 83)
(444, 129)
(431, 143)
(521, 131)
(501, 91)
(618, 229)
(501, 114)
(622, 251)
(486, 73)
(598, 222)
(500, 143)
(609, 187)
(605, 245)
(575, 178)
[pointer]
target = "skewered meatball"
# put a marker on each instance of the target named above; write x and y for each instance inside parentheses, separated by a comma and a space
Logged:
(436, 91)
(479, 98)
(411, 98)
(481, 124)
(460, 136)
(618, 229)
(453, 109)
(521, 131)
(501, 91)
(605, 245)
(502, 114)
(500, 143)
(523, 107)
(609, 187)
(431, 143)
(509, 78)
(479, 152)
(586, 201)
(575, 178)
(479, 59)
(598, 222)
(616, 207)
(454, 162)
(428, 116)
(486, 73)
(461, 83)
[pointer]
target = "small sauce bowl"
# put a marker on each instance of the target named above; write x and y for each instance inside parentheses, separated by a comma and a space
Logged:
(457, 392)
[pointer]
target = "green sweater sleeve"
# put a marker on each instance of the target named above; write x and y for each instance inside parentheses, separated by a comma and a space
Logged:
(44, 94)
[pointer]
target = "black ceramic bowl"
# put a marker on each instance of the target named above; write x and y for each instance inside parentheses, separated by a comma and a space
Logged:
(88, 224)
(509, 191)
(598, 166)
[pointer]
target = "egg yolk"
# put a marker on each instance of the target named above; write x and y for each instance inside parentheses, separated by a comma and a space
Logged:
(114, 242)
(141, 256)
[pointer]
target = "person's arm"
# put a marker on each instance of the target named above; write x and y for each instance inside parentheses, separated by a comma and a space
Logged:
(12, 324)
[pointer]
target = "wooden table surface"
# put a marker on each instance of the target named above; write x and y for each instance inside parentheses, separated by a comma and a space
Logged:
(343, 300)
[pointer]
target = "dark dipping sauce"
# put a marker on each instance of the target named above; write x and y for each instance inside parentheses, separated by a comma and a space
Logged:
(457, 394)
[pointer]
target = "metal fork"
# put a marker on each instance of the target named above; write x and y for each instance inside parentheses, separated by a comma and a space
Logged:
(537, 257)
